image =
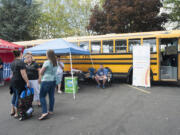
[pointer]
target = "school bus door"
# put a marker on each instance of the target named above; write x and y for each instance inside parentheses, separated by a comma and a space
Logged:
(169, 59)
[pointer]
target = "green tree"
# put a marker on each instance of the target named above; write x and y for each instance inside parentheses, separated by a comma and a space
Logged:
(78, 15)
(64, 18)
(52, 23)
(101, 3)
(18, 19)
(173, 9)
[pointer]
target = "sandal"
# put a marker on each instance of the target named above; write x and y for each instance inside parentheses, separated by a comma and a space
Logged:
(43, 117)
(38, 103)
(16, 116)
(12, 113)
(50, 113)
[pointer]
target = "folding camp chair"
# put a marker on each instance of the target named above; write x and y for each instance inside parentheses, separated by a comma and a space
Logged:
(92, 72)
(89, 77)
(108, 74)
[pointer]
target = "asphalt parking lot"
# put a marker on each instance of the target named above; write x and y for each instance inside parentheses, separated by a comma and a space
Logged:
(118, 110)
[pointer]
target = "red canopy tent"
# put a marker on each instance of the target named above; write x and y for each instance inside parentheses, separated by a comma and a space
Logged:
(7, 46)
(6, 54)
(6, 49)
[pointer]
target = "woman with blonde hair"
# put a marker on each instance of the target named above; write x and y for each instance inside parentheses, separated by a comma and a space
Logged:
(48, 83)
(33, 71)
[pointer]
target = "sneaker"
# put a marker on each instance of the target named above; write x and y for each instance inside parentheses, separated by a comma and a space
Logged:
(59, 91)
(103, 87)
(98, 86)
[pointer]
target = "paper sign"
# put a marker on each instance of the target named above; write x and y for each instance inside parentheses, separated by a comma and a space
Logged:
(141, 66)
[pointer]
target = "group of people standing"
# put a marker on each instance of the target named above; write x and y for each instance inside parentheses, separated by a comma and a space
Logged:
(27, 73)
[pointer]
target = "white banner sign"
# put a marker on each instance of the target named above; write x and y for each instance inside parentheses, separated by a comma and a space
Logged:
(141, 66)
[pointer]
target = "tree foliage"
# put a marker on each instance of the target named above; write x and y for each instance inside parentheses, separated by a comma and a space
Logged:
(18, 19)
(173, 7)
(53, 19)
(78, 15)
(64, 18)
(122, 16)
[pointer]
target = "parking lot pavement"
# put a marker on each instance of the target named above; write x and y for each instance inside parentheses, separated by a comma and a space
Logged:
(118, 110)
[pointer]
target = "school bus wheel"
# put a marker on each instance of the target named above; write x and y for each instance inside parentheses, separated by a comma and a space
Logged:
(130, 77)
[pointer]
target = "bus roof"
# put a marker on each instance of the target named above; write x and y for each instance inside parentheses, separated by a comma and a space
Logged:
(153, 34)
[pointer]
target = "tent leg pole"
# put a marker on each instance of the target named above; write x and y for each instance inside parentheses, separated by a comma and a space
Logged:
(91, 61)
(74, 94)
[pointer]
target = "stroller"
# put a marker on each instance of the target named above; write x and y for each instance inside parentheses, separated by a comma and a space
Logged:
(25, 108)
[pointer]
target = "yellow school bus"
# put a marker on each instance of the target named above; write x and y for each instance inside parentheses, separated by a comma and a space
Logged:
(115, 52)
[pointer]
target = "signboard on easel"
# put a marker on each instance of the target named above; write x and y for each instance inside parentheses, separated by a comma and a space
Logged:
(141, 66)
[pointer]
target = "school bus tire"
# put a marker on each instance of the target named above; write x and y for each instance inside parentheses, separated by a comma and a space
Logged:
(130, 76)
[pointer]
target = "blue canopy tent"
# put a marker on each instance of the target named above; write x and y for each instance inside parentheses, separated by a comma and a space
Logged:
(59, 46)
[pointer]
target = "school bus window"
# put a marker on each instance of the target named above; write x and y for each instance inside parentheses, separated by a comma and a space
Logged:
(151, 43)
(168, 46)
(96, 47)
(84, 45)
(120, 46)
(133, 42)
(108, 46)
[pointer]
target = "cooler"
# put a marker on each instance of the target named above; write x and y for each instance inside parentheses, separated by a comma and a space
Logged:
(69, 84)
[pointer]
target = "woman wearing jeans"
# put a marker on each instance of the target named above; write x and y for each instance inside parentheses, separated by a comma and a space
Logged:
(18, 81)
(48, 84)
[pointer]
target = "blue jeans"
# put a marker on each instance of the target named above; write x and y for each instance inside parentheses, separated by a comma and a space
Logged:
(15, 98)
(1, 75)
(47, 87)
